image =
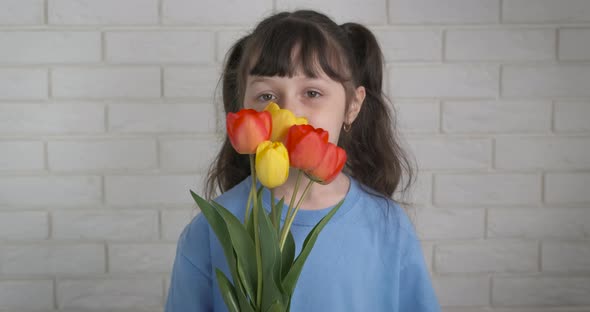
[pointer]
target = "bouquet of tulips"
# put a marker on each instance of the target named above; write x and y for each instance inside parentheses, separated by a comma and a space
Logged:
(260, 252)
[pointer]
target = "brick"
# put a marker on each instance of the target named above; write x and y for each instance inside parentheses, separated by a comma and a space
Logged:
(227, 38)
(572, 116)
(23, 84)
(545, 11)
(444, 81)
(171, 118)
(115, 293)
(496, 116)
(500, 44)
(174, 221)
(450, 223)
(567, 187)
(39, 47)
(50, 190)
(427, 252)
(147, 258)
(180, 154)
(198, 82)
(94, 155)
(434, 153)
(367, 12)
(566, 256)
(410, 45)
(418, 116)
(487, 189)
(546, 80)
(437, 12)
(543, 153)
(52, 258)
(574, 44)
(22, 12)
(24, 225)
(151, 190)
(543, 290)
(486, 256)
(224, 12)
(105, 225)
(420, 191)
(21, 155)
(52, 118)
(106, 12)
(160, 47)
(26, 294)
(106, 82)
(462, 291)
(537, 223)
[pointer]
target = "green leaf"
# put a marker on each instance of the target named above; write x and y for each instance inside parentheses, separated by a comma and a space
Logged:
(276, 307)
(287, 256)
(278, 209)
(227, 291)
(291, 279)
(245, 303)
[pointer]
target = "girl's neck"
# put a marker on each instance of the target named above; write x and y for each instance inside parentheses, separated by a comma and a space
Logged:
(319, 196)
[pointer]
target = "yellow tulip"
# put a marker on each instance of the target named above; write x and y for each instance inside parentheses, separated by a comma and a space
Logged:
(272, 163)
(282, 120)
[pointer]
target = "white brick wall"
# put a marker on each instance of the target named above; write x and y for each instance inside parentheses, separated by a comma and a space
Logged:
(108, 117)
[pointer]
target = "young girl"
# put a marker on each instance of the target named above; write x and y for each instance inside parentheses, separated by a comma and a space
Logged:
(368, 257)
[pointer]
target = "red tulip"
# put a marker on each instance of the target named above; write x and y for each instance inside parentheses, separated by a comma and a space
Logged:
(329, 167)
(306, 145)
(248, 128)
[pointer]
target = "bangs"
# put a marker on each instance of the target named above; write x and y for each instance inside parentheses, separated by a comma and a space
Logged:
(291, 46)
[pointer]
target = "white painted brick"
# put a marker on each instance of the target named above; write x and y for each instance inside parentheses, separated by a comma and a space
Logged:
(50, 190)
(536, 223)
(410, 45)
(191, 81)
(23, 84)
(428, 253)
(417, 116)
(435, 153)
(545, 11)
(52, 118)
(496, 116)
(23, 225)
(105, 225)
(132, 154)
(116, 293)
(443, 223)
(160, 47)
(108, 12)
(134, 118)
(146, 190)
(38, 47)
(174, 221)
(572, 116)
(367, 12)
(546, 80)
(444, 81)
(439, 12)
(486, 256)
(566, 256)
(22, 12)
(420, 191)
(543, 153)
(462, 291)
(107, 82)
(567, 187)
(225, 39)
(52, 259)
(29, 294)
(574, 44)
(489, 189)
(223, 12)
(134, 258)
(188, 154)
(500, 44)
(21, 155)
(549, 291)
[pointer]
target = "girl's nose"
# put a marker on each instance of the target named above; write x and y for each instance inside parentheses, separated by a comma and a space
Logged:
(291, 103)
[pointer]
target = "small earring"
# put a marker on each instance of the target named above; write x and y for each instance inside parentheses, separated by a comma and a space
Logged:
(346, 127)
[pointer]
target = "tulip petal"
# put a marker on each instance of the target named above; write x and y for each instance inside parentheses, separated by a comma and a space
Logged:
(272, 164)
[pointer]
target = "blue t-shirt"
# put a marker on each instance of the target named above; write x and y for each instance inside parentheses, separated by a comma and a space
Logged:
(367, 258)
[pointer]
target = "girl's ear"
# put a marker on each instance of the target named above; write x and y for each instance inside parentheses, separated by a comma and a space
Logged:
(356, 104)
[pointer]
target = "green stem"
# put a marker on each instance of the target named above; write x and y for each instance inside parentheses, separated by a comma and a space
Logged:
(292, 201)
(292, 218)
(256, 235)
(252, 190)
(272, 208)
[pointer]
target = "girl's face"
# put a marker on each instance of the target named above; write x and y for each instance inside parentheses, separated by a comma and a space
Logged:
(321, 100)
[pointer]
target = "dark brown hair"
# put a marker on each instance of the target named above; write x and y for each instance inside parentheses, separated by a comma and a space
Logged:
(348, 53)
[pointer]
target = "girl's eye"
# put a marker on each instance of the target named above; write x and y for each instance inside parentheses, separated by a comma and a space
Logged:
(313, 94)
(266, 97)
